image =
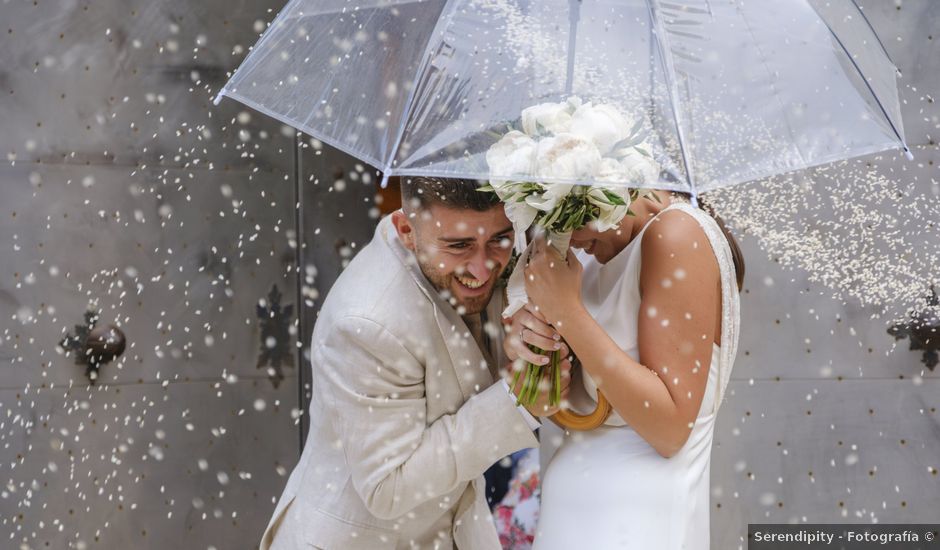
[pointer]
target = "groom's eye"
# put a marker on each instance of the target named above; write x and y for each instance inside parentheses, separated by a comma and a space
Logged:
(504, 240)
(458, 246)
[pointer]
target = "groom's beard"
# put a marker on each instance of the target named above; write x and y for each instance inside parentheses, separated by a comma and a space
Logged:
(473, 303)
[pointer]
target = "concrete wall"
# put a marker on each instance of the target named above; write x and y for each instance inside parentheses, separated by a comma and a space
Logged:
(823, 424)
(123, 188)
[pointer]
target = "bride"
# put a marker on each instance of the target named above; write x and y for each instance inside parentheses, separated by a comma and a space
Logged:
(650, 310)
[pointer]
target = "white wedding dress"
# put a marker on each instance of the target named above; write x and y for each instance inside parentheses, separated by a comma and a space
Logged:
(608, 488)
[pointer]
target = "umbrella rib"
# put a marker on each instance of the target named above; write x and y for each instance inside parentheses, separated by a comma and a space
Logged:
(423, 171)
(442, 24)
(878, 38)
(662, 44)
(907, 151)
(283, 14)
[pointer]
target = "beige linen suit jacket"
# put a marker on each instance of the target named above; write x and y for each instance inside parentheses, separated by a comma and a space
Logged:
(404, 418)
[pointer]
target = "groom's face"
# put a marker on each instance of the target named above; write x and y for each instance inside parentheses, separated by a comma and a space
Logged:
(462, 252)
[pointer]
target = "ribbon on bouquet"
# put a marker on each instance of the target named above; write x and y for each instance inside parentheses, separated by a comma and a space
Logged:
(516, 297)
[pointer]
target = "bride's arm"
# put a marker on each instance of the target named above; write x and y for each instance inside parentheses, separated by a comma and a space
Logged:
(659, 396)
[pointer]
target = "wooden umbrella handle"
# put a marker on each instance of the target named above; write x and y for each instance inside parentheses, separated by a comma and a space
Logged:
(571, 420)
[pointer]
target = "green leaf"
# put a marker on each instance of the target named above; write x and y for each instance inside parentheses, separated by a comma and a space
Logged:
(631, 141)
(552, 217)
(636, 126)
(530, 187)
(650, 193)
(635, 136)
(614, 198)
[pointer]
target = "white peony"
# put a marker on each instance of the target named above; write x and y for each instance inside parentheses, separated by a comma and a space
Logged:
(566, 156)
(512, 155)
(611, 170)
(639, 168)
(584, 135)
(553, 117)
(603, 124)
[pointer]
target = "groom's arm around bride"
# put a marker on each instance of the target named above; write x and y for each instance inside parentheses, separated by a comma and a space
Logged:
(405, 417)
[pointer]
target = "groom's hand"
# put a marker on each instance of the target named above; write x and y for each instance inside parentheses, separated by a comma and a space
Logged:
(541, 407)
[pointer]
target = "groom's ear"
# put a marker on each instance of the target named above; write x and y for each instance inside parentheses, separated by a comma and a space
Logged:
(405, 229)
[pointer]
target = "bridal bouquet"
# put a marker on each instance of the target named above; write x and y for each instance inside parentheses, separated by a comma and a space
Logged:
(571, 141)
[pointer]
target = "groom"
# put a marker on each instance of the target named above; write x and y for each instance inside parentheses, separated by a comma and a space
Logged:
(405, 417)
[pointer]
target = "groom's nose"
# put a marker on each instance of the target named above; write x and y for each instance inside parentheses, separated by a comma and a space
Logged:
(477, 266)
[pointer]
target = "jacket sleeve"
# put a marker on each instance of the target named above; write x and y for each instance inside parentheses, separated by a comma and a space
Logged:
(374, 392)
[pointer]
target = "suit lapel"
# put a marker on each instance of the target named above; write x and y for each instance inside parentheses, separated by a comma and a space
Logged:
(468, 362)
(473, 374)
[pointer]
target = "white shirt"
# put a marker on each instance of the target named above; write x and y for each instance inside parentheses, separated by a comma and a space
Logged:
(531, 420)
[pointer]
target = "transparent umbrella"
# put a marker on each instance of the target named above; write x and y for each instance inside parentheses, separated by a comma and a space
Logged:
(721, 91)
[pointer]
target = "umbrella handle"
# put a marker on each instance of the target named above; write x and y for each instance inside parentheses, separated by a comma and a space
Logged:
(571, 420)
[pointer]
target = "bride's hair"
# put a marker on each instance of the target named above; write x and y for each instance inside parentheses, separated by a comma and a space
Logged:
(736, 255)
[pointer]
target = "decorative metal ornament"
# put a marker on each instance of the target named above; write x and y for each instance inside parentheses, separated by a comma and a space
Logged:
(275, 323)
(923, 331)
(93, 345)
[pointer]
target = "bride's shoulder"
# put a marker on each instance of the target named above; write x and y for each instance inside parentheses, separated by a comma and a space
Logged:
(674, 226)
(676, 234)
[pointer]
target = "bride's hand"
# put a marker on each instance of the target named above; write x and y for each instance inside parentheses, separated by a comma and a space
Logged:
(528, 326)
(553, 283)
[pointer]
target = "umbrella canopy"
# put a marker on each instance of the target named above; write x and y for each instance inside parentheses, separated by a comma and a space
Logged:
(722, 91)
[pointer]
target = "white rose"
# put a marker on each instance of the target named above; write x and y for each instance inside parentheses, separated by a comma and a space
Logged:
(566, 156)
(513, 155)
(604, 124)
(549, 199)
(553, 117)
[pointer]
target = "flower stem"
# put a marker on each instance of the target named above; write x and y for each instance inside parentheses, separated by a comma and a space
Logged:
(555, 398)
(532, 378)
(515, 380)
